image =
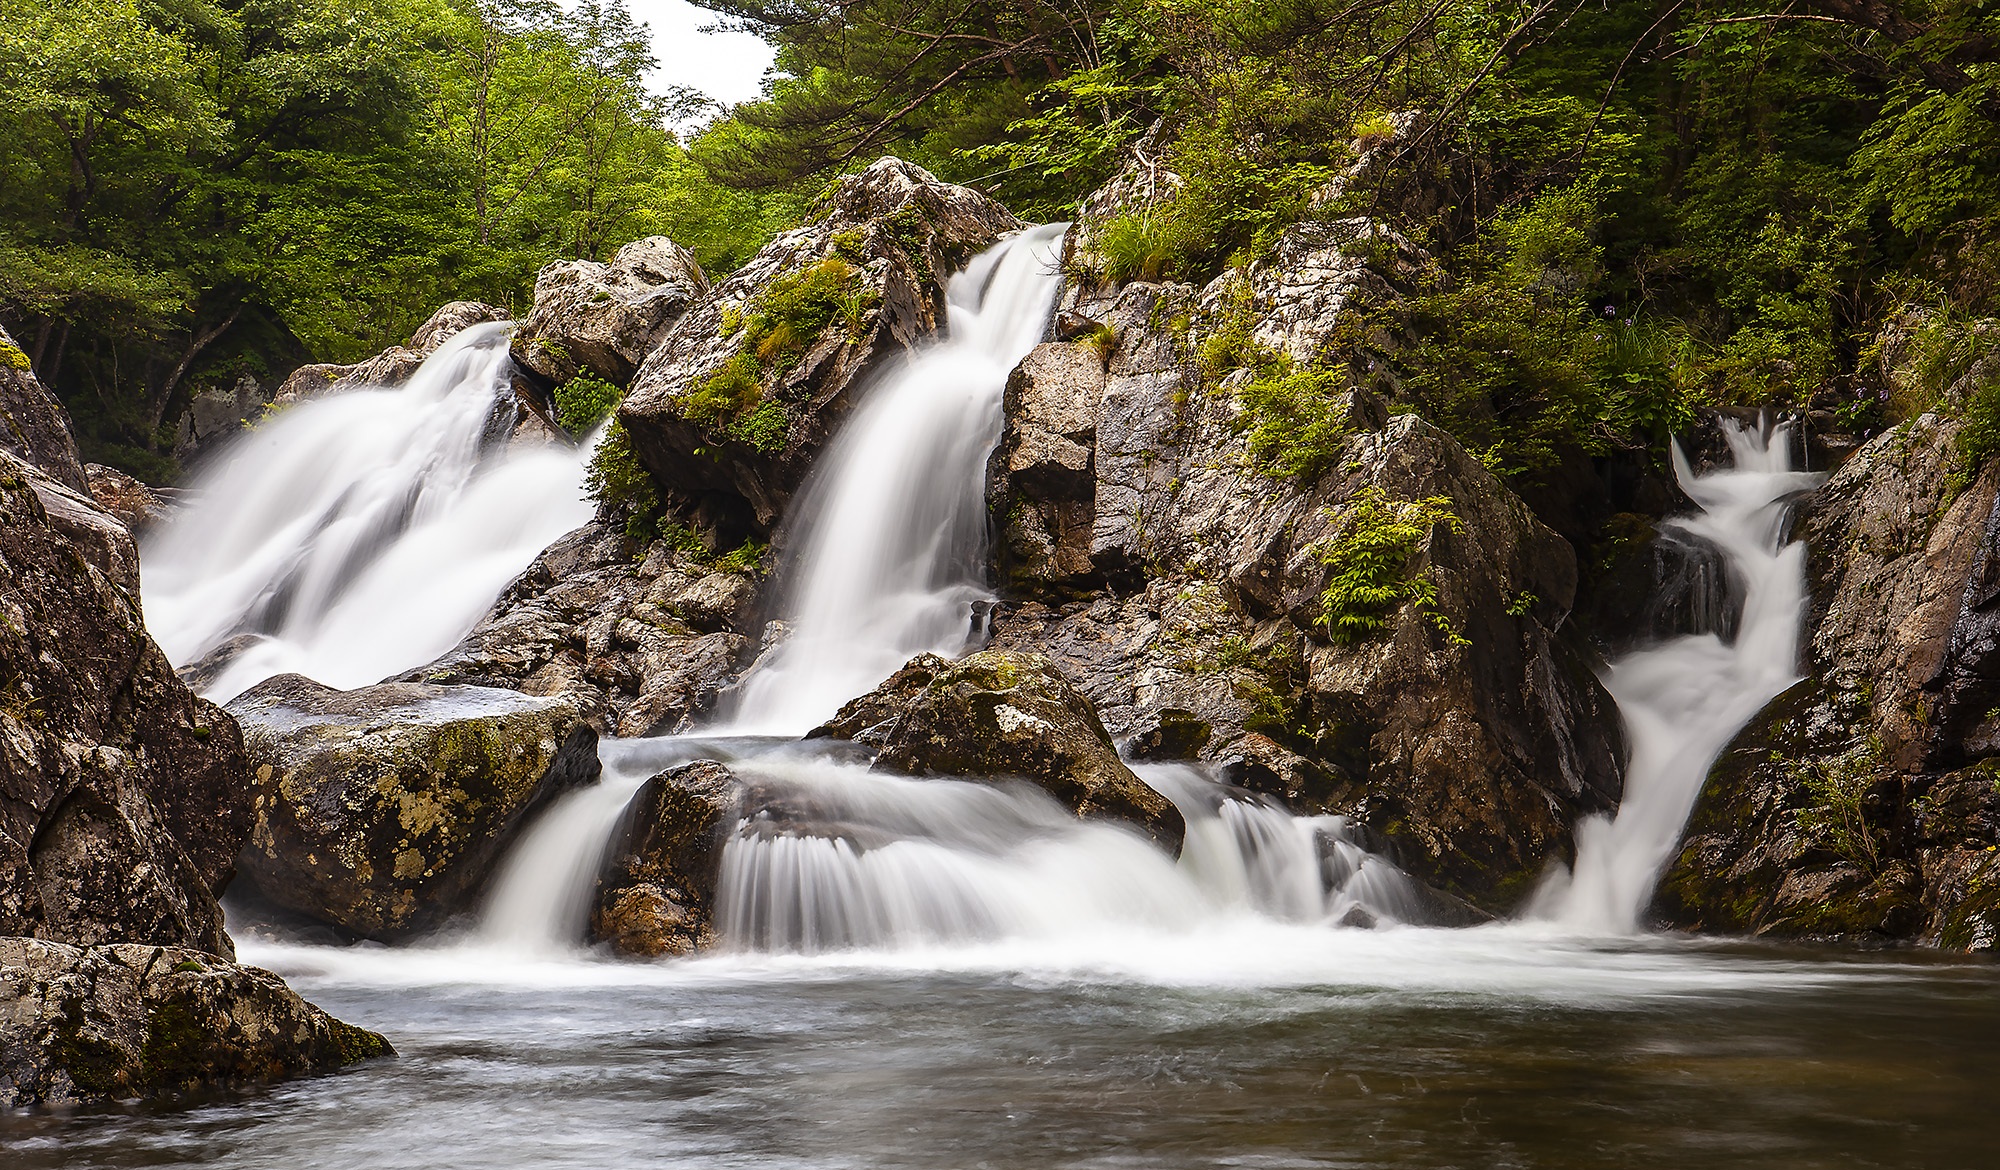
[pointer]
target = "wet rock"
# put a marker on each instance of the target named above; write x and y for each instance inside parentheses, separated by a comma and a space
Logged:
(870, 719)
(124, 798)
(733, 406)
(33, 424)
(393, 366)
(215, 414)
(604, 319)
(1007, 714)
(1857, 804)
(656, 892)
(130, 502)
(81, 1025)
(383, 810)
(641, 647)
(1043, 472)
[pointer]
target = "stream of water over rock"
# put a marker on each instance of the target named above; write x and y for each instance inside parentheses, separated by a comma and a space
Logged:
(946, 974)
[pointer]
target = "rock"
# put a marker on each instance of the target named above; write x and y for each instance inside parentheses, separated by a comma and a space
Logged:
(1001, 714)
(733, 406)
(1470, 735)
(1860, 803)
(123, 797)
(33, 424)
(130, 502)
(605, 318)
(82, 1025)
(642, 648)
(382, 810)
(871, 718)
(215, 414)
(393, 366)
(656, 892)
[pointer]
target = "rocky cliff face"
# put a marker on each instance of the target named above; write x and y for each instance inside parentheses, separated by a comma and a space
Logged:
(732, 407)
(1184, 586)
(1862, 802)
(33, 425)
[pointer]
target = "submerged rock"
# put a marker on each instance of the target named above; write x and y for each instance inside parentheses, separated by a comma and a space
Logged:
(124, 798)
(1010, 715)
(381, 811)
(604, 319)
(80, 1025)
(1861, 803)
(656, 892)
(641, 647)
(733, 406)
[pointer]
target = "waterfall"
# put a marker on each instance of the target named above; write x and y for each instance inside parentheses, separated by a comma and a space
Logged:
(1683, 701)
(889, 533)
(364, 533)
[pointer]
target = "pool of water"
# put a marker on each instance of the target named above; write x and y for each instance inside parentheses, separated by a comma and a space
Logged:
(1261, 1047)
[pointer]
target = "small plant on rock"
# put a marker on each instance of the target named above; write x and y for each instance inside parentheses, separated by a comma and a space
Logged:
(1370, 559)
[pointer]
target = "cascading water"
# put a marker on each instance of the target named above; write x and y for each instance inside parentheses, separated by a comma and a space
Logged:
(890, 564)
(1683, 701)
(891, 529)
(364, 533)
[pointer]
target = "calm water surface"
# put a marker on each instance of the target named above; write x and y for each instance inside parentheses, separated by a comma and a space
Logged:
(1268, 1047)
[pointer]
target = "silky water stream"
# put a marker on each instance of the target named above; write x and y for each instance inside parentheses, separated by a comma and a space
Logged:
(946, 974)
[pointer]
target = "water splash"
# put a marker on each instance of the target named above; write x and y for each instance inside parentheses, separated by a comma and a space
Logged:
(890, 551)
(361, 534)
(1683, 701)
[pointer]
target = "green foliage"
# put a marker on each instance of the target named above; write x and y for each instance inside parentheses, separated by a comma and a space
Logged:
(584, 401)
(1370, 557)
(621, 484)
(1296, 421)
(773, 333)
(1838, 790)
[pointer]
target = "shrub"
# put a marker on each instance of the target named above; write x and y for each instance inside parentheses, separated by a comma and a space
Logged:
(584, 401)
(1370, 559)
(621, 484)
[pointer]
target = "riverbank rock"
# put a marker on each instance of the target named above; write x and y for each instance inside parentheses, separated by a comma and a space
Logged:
(81, 1025)
(733, 406)
(1008, 715)
(33, 424)
(604, 319)
(1861, 803)
(641, 647)
(656, 893)
(130, 502)
(123, 797)
(393, 366)
(382, 811)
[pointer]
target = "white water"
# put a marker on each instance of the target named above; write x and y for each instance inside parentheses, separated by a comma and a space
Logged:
(1683, 701)
(361, 534)
(890, 531)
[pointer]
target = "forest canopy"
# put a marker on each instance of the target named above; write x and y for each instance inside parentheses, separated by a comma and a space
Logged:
(1628, 210)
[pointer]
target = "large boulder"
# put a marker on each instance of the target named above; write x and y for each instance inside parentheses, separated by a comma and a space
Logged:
(731, 409)
(393, 366)
(81, 1025)
(1179, 578)
(1011, 715)
(656, 891)
(603, 319)
(642, 647)
(382, 811)
(33, 425)
(1862, 802)
(124, 798)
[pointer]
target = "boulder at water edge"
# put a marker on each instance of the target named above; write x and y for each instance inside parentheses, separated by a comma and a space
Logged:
(393, 366)
(91, 1024)
(382, 811)
(731, 409)
(123, 797)
(1008, 715)
(656, 893)
(603, 319)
